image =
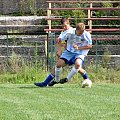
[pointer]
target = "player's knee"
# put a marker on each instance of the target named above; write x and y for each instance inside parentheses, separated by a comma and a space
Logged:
(60, 64)
(77, 65)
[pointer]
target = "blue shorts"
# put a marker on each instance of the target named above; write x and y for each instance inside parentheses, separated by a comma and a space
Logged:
(70, 57)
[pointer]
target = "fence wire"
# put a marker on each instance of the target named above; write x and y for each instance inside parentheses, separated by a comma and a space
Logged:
(29, 57)
(106, 50)
(27, 48)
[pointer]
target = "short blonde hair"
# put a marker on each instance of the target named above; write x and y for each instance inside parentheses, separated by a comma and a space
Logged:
(80, 26)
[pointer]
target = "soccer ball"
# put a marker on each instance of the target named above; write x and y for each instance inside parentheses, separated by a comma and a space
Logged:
(87, 83)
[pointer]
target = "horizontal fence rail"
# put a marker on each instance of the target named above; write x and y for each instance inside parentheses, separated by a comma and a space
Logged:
(84, 8)
(98, 30)
(71, 1)
(89, 10)
(117, 18)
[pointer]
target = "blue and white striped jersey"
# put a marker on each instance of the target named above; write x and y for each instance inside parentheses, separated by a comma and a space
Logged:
(83, 40)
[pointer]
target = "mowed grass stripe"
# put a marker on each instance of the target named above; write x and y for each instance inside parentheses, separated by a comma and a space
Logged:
(61, 102)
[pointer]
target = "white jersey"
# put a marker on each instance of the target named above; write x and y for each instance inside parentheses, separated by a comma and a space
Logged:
(63, 34)
(83, 40)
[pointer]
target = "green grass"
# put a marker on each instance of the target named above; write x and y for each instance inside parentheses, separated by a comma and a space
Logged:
(61, 102)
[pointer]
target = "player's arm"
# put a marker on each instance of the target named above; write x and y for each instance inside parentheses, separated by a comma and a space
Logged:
(59, 47)
(82, 47)
(59, 41)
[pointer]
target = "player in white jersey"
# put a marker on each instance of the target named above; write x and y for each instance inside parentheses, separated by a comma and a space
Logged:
(67, 29)
(77, 48)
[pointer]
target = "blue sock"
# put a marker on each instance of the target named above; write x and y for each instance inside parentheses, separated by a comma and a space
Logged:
(48, 79)
(85, 76)
(44, 84)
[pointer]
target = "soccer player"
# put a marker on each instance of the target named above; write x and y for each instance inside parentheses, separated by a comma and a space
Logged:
(80, 45)
(67, 29)
(77, 48)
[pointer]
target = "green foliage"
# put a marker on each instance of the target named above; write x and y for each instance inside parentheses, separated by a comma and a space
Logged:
(32, 6)
(26, 5)
(23, 71)
(23, 6)
(26, 75)
(41, 12)
(103, 74)
(106, 59)
(107, 13)
(16, 63)
(20, 70)
(79, 15)
(17, 14)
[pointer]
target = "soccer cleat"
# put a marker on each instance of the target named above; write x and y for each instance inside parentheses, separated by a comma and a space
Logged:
(64, 80)
(40, 84)
(86, 83)
(53, 82)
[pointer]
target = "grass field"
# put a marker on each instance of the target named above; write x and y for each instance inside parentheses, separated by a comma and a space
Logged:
(61, 102)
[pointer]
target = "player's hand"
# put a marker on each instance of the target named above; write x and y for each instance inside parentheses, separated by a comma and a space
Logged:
(75, 46)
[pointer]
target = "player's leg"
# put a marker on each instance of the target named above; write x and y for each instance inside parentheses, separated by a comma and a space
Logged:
(86, 81)
(78, 60)
(58, 68)
(65, 57)
(54, 74)
(47, 80)
(78, 67)
(80, 63)
(85, 77)
(75, 69)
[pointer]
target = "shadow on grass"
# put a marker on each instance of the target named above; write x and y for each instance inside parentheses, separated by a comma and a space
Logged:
(33, 86)
(27, 87)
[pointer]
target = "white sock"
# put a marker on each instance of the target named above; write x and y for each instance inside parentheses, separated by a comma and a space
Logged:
(57, 74)
(73, 71)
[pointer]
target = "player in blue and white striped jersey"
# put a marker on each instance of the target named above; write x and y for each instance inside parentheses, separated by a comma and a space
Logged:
(78, 46)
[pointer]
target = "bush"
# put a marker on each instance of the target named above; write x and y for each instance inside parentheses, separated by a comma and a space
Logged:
(20, 70)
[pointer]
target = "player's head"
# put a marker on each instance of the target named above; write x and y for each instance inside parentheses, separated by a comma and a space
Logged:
(80, 27)
(65, 23)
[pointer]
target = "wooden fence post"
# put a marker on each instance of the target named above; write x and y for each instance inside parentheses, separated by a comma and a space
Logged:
(89, 16)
